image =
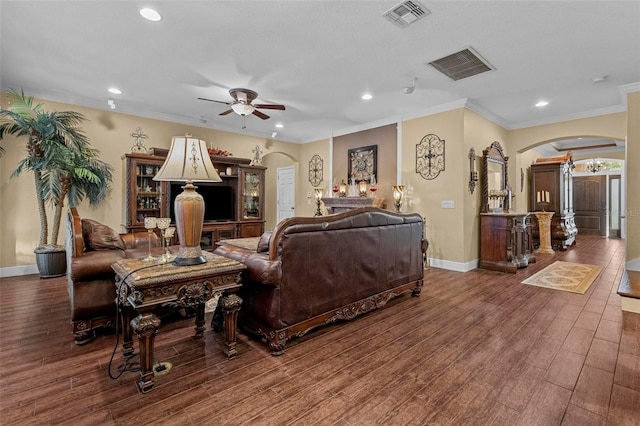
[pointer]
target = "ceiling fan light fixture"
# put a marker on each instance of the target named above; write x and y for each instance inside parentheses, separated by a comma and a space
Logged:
(242, 109)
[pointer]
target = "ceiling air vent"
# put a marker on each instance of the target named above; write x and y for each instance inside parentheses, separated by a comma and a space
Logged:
(462, 64)
(406, 13)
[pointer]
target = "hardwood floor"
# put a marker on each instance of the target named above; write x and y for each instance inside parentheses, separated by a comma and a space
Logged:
(474, 349)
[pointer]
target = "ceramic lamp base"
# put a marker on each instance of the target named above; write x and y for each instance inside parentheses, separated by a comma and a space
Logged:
(189, 210)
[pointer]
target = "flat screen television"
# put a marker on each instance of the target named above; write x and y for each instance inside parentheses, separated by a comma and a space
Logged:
(218, 201)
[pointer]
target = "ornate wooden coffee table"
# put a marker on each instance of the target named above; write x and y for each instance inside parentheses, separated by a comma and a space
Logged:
(151, 284)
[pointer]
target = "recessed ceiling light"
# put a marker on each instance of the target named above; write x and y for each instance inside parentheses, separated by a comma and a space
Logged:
(599, 79)
(150, 14)
(115, 91)
(279, 125)
(542, 104)
(367, 96)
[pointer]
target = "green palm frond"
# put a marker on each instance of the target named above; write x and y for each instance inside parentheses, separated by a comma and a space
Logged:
(65, 167)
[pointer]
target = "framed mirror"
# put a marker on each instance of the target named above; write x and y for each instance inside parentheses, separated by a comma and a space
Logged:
(494, 179)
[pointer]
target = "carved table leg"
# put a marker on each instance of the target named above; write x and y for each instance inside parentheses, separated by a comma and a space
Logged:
(199, 319)
(146, 327)
(230, 306)
(127, 336)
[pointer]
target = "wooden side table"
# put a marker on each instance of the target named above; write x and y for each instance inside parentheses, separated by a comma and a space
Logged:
(147, 285)
(544, 229)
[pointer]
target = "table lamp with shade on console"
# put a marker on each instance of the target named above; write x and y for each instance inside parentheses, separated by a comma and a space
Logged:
(188, 161)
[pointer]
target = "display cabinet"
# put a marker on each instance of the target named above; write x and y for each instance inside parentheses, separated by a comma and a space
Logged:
(251, 201)
(234, 208)
(143, 197)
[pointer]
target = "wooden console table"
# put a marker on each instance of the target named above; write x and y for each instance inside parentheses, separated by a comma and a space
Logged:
(505, 241)
(148, 285)
(342, 204)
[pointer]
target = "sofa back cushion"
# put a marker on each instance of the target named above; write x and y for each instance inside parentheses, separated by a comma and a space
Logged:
(323, 269)
(100, 237)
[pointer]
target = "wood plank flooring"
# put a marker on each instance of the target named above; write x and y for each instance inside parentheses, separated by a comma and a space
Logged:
(478, 348)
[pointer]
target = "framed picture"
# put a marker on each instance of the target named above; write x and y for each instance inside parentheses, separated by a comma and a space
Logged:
(363, 163)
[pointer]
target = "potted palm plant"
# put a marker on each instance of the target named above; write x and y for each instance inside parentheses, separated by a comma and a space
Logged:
(64, 166)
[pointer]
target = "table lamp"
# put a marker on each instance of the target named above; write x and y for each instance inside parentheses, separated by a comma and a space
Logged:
(188, 161)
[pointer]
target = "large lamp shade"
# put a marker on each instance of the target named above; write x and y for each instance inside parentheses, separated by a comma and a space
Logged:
(188, 161)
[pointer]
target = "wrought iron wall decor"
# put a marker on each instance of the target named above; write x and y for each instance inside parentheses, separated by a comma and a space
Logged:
(138, 146)
(430, 156)
(315, 170)
(363, 163)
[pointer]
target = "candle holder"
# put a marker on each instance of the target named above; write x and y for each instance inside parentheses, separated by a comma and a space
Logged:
(150, 223)
(168, 235)
(163, 223)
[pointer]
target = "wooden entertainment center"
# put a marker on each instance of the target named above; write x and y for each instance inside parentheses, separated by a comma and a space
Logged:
(234, 208)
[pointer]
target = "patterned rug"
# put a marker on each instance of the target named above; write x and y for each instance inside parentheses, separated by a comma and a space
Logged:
(565, 276)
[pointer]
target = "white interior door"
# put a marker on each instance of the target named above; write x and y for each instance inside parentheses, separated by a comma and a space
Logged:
(286, 192)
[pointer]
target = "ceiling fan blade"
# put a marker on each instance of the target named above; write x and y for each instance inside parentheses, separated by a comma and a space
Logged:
(260, 114)
(229, 111)
(269, 106)
(211, 100)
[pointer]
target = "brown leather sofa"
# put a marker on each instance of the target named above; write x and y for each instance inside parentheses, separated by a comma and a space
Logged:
(91, 249)
(314, 271)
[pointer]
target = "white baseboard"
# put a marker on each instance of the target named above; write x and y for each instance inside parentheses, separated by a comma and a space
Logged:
(14, 271)
(633, 265)
(453, 266)
(630, 304)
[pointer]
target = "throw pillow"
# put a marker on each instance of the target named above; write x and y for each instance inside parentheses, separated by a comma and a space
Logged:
(100, 237)
(263, 242)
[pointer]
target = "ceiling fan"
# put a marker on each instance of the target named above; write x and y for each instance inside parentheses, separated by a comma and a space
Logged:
(242, 104)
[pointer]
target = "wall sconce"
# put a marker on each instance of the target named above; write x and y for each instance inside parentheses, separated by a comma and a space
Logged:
(318, 194)
(362, 188)
(473, 174)
(398, 192)
(343, 189)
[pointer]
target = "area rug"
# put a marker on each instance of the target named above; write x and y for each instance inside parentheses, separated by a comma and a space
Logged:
(565, 276)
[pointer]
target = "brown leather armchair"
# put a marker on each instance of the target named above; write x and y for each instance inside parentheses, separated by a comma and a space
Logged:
(91, 249)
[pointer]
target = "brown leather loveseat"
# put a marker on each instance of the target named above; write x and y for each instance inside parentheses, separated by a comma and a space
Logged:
(314, 271)
(91, 249)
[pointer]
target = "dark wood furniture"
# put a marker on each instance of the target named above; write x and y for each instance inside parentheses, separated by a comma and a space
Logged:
(343, 204)
(314, 271)
(555, 175)
(142, 287)
(143, 197)
(234, 208)
(505, 241)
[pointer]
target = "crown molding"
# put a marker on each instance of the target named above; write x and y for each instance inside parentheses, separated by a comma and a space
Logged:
(625, 89)
(569, 117)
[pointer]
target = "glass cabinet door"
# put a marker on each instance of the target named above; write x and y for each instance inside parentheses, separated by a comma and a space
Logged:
(252, 187)
(148, 192)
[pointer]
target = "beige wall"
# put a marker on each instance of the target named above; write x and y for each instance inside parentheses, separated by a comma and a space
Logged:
(444, 227)
(453, 233)
(479, 134)
(306, 205)
(109, 132)
(633, 177)
(385, 138)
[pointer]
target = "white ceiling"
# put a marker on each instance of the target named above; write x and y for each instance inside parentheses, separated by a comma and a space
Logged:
(319, 57)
